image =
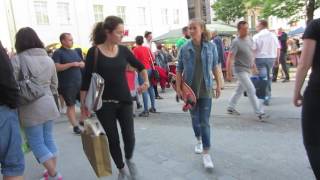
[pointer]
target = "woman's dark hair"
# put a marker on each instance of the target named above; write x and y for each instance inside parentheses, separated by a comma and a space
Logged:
(27, 38)
(139, 40)
(98, 35)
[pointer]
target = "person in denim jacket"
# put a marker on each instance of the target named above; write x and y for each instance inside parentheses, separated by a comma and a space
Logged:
(197, 62)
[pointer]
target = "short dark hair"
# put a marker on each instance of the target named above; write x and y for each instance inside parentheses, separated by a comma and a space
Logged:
(159, 46)
(98, 35)
(147, 33)
(139, 40)
(27, 38)
(185, 29)
(264, 23)
(63, 36)
(240, 24)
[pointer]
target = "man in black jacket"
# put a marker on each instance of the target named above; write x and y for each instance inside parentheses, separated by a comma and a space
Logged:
(11, 155)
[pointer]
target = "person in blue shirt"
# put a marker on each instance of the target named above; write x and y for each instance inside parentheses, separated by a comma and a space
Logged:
(197, 61)
(220, 48)
(69, 64)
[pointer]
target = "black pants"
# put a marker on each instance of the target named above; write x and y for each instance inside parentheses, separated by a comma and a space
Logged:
(311, 128)
(282, 59)
(108, 116)
(156, 93)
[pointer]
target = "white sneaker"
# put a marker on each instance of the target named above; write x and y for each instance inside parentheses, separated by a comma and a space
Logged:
(63, 110)
(198, 148)
(207, 162)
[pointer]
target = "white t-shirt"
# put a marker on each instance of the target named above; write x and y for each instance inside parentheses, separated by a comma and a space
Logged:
(150, 45)
(266, 44)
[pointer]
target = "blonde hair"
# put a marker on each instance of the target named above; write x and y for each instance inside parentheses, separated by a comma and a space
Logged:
(206, 35)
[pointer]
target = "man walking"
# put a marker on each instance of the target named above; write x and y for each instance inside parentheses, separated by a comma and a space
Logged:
(11, 155)
(283, 37)
(267, 51)
(186, 36)
(241, 55)
(220, 48)
(69, 63)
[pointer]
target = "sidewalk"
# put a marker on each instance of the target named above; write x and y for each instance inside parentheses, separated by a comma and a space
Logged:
(243, 148)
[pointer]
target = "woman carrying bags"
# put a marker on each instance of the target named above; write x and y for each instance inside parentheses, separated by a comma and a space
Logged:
(112, 61)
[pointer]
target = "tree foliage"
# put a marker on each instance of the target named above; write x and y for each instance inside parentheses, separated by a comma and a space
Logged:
(292, 9)
(229, 10)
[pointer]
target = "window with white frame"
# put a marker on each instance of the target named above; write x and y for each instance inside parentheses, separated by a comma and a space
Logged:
(63, 13)
(98, 12)
(121, 12)
(164, 15)
(41, 12)
(142, 15)
(176, 16)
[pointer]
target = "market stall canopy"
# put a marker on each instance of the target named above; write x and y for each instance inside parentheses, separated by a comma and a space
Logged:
(172, 36)
(296, 32)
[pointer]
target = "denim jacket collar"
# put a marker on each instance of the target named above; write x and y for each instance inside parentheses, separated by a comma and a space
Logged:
(190, 46)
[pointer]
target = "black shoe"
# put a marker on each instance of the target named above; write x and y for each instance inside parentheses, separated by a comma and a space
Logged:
(152, 110)
(144, 114)
(286, 80)
(81, 123)
(159, 97)
(266, 102)
(77, 130)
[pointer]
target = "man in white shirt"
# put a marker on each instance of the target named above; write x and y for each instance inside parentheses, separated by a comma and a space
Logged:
(267, 51)
(148, 42)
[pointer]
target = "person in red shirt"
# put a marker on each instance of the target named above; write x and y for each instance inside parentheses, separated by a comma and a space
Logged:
(144, 55)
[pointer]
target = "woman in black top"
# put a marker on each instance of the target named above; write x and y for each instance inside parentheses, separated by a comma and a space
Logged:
(112, 61)
(311, 98)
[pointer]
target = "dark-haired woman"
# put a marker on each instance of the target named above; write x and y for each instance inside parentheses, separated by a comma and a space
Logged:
(37, 116)
(112, 61)
(197, 61)
(144, 56)
(310, 58)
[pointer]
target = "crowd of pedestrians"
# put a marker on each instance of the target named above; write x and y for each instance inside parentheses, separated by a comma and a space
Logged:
(198, 58)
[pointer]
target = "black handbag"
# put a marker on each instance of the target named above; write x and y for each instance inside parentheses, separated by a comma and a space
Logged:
(261, 85)
(29, 89)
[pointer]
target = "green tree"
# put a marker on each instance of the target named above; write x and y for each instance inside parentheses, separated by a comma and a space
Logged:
(229, 10)
(287, 8)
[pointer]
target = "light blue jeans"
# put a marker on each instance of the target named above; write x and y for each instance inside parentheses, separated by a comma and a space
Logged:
(265, 66)
(149, 93)
(40, 139)
(200, 116)
(245, 84)
(11, 155)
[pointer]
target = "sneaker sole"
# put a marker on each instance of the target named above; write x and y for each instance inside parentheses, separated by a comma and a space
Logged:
(233, 113)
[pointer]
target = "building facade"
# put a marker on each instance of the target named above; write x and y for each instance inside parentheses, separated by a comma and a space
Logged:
(50, 18)
(200, 9)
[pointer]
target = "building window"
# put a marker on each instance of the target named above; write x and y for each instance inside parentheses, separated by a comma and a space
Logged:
(98, 12)
(176, 15)
(164, 15)
(63, 13)
(41, 12)
(142, 15)
(121, 12)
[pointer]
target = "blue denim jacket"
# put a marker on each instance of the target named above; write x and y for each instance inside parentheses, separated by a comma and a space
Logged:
(186, 62)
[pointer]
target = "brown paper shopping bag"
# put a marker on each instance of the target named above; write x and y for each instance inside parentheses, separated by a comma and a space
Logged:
(96, 148)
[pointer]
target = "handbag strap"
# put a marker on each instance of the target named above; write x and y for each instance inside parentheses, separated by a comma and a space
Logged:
(150, 58)
(95, 60)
